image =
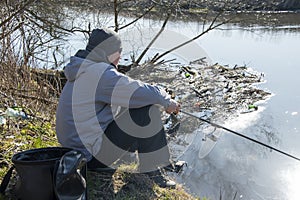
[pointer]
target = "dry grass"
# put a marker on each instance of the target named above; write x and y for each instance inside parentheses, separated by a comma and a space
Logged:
(125, 183)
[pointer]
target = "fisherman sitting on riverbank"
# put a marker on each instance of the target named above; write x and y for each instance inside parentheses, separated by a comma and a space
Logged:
(105, 114)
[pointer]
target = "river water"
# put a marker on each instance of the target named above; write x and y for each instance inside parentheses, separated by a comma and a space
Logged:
(237, 168)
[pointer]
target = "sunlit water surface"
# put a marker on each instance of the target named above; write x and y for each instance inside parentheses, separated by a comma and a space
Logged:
(237, 168)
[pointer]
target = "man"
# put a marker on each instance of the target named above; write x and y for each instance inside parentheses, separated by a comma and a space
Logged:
(105, 114)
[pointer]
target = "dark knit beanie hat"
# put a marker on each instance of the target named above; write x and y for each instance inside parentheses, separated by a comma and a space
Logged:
(104, 40)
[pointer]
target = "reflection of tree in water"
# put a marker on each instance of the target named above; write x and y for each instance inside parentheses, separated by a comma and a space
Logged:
(265, 132)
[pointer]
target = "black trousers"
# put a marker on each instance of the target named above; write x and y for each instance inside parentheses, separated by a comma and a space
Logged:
(140, 130)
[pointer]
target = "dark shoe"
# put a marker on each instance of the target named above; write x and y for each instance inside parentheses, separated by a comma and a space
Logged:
(103, 169)
(177, 167)
(159, 179)
(97, 166)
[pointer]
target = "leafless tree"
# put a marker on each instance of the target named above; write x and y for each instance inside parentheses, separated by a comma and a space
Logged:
(214, 19)
(30, 32)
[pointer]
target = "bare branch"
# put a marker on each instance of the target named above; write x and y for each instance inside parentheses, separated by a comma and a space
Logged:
(116, 14)
(49, 23)
(138, 18)
(4, 35)
(16, 12)
(152, 41)
(211, 27)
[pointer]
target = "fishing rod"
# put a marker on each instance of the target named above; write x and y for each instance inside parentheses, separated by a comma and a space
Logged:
(241, 135)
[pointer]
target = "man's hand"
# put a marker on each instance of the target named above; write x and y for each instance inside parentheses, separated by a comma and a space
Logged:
(174, 107)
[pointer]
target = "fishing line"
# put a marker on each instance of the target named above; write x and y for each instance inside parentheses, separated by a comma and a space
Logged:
(241, 135)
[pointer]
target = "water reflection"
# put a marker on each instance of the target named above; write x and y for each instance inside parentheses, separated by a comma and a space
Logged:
(292, 177)
(237, 167)
(250, 170)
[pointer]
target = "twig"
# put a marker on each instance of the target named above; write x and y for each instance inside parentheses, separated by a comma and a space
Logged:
(211, 27)
(152, 41)
(138, 18)
(116, 14)
(234, 195)
(45, 100)
(17, 12)
(72, 30)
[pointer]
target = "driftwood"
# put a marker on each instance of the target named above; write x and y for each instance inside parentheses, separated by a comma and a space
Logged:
(215, 89)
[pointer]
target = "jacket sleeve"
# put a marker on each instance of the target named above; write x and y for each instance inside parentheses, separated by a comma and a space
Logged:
(117, 89)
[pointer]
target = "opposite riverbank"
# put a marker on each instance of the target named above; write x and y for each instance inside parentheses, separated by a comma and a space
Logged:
(190, 5)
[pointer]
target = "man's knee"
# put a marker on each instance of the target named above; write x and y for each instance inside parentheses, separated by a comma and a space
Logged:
(145, 115)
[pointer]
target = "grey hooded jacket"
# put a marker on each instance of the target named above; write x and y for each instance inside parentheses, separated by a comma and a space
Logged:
(89, 101)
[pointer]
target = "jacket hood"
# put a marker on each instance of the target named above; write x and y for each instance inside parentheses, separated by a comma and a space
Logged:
(76, 67)
(79, 63)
